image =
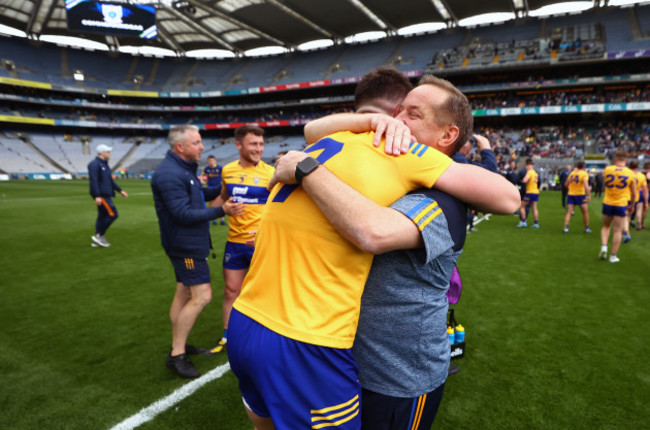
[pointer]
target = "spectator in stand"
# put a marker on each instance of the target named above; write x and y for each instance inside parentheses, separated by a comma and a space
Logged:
(102, 190)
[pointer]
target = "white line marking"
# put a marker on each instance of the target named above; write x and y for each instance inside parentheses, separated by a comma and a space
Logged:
(150, 412)
(485, 217)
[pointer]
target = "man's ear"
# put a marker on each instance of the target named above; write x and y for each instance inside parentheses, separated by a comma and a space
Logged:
(448, 138)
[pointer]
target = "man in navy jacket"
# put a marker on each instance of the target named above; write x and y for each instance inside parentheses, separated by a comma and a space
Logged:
(102, 189)
(185, 235)
(488, 161)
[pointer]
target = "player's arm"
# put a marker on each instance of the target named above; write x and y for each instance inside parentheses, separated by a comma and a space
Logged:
(483, 190)
(372, 228)
(397, 134)
(585, 183)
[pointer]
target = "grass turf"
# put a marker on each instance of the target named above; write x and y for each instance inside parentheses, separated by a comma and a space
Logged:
(556, 338)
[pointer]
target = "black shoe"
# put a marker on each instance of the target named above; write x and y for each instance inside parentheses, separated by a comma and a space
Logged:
(453, 369)
(182, 366)
(194, 350)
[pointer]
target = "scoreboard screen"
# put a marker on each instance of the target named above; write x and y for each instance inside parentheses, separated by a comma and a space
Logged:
(111, 17)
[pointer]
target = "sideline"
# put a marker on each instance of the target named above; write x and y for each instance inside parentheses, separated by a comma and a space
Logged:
(150, 412)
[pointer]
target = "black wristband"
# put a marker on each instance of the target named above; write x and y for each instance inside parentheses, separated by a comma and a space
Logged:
(305, 167)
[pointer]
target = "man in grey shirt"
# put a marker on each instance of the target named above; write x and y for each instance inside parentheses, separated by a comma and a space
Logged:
(401, 346)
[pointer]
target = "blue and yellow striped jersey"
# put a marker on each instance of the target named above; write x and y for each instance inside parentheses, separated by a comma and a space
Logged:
(247, 185)
(305, 280)
(532, 184)
(618, 181)
(576, 182)
(213, 176)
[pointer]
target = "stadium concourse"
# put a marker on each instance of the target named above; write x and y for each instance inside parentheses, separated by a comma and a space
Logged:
(543, 83)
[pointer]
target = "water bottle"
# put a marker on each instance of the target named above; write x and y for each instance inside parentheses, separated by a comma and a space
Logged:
(450, 333)
(460, 333)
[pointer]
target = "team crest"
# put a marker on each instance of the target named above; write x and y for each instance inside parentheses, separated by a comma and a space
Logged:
(112, 13)
(242, 178)
(256, 179)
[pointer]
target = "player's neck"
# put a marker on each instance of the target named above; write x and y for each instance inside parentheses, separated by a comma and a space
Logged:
(246, 164)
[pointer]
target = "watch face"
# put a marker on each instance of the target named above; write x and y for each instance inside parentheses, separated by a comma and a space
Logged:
(305, 167)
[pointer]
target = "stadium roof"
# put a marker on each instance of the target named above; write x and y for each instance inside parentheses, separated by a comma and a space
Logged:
(238, 26)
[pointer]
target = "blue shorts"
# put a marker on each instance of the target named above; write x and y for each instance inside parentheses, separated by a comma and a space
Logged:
(529, 198)
(614, 210)
(191, 271)
(297, 384)
(237, 256)
(576, 200)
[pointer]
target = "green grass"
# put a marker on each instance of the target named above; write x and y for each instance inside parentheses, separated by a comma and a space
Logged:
(556, 339)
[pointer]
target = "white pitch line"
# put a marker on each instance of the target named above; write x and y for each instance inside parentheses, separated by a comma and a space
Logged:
(485, 217)
(150, 412)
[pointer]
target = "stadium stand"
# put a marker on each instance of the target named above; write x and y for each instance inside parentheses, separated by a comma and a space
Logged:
(497, 71)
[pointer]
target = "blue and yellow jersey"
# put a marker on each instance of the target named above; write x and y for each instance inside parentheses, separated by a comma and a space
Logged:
(532, 184)
(246, 185)
(618, 182)
(213, 176)
(305, 280)
(576, 181)
(640, 181)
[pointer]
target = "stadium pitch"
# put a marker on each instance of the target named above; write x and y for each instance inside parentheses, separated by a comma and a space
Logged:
(556, 338)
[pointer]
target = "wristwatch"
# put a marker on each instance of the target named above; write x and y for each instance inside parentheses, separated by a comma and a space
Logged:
(305, 167)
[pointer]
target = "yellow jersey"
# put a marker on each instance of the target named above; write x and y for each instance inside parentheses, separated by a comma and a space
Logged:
(246, 185)
(576, 181)
(305, 280)
(640, 181)
(618, 185)
(531, 185)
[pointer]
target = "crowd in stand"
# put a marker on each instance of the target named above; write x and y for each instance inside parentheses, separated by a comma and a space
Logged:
(560, 98)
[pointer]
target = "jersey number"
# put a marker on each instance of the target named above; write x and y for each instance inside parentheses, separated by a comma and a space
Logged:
(612, 181)
(330, 148)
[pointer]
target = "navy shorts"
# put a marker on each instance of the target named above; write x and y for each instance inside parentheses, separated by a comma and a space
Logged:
(298, 385)
(381, 412)
(614, 210)
(576, 200)
(529, 198)
(237, 256)
(191, 271)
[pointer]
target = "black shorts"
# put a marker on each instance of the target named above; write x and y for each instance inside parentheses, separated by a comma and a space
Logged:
(191, 271)
(380, 412)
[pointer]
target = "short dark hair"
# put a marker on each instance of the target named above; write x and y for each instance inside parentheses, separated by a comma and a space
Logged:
(242, 131)
(211, 156)
(455, 111)
(620, 154)
(381, 84)
(634, 164)
(580, 164)
(529, 161)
